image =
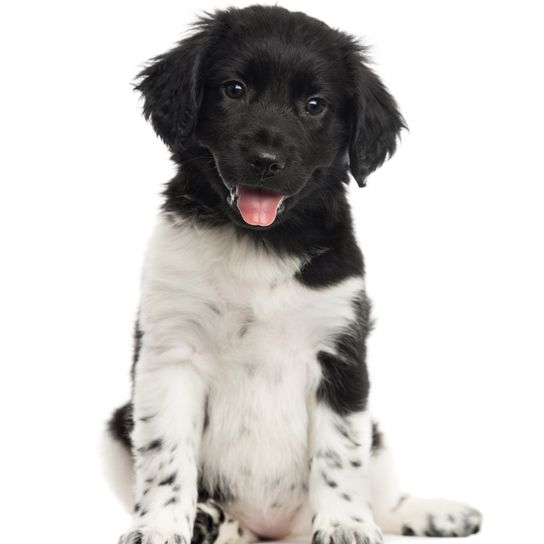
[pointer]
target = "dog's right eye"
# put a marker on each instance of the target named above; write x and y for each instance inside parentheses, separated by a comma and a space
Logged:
(234, 89)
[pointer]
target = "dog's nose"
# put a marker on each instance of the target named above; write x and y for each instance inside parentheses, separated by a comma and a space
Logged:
(265, 163)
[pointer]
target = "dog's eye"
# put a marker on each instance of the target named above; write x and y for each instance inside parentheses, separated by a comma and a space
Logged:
(314, 105)
(234, 89)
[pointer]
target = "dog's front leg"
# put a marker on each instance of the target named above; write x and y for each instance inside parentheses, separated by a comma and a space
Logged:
(168, 418)
(339, 485)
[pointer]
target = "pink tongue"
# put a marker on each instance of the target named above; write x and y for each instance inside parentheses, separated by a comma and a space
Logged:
(257, 206)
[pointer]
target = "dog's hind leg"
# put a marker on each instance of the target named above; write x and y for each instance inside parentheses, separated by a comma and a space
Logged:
(398, 513)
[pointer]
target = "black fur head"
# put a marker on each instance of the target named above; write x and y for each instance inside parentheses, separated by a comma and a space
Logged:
(270, 100)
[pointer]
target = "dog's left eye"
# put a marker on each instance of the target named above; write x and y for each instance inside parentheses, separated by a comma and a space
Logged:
(234, 89)
(315, 105)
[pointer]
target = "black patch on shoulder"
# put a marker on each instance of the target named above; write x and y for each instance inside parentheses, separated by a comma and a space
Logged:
(121, 425)
(339, 257)
(345, 384)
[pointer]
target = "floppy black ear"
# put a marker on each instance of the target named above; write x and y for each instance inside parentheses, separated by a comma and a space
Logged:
(171, 87)
(376, 125)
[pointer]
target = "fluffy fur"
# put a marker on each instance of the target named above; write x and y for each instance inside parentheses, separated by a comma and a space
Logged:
(249, 416)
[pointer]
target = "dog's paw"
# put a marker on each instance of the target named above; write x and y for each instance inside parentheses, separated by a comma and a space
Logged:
(438, 517)
(146, 535)
(358, 532)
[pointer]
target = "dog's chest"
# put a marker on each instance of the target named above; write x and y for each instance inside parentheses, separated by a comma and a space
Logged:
(263, 361)
(257, 331)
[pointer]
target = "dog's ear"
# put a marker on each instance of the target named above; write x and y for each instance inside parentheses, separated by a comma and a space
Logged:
(376, 124)
(172, 87)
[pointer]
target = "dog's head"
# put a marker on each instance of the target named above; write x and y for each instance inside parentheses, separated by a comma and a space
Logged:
(274, 99)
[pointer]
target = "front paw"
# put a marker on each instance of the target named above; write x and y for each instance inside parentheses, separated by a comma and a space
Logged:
(354, 532)
(145, 535)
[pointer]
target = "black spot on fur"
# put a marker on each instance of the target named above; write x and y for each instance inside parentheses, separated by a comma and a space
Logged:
(214, 308)
(153, 445)
(408, 531)
(343, 429)
(319, 537)
(356, 464)
(137, 347)
(135, 537)
(206, 414)
(169, 480)
(171, 500)
(332, 459)
(121, 424)
(401, 500)
(432, 529)
(377, 439)
(328, 481)
(345, 496)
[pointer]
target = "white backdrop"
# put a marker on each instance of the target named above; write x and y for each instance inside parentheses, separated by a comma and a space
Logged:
(451, 229)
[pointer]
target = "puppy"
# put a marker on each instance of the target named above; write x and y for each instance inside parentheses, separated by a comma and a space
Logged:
(249, 415)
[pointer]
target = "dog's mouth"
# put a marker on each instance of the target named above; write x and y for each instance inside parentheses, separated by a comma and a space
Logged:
(257, 206)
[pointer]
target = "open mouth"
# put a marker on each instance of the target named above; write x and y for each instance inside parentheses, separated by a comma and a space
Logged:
(257, 206)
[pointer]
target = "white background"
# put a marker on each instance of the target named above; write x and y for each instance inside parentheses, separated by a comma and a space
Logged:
(451, 229)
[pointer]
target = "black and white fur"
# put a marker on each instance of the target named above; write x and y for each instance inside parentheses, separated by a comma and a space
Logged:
(249, 416)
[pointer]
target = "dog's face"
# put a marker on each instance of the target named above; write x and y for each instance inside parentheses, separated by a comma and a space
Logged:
(275, 98)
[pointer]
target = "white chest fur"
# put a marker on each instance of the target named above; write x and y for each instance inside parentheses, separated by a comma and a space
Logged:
(253, 330)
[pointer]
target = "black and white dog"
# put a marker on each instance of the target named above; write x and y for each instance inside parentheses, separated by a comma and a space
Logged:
(249, 416)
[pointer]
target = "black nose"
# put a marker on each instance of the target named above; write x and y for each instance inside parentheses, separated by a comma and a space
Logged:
(265, 163)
